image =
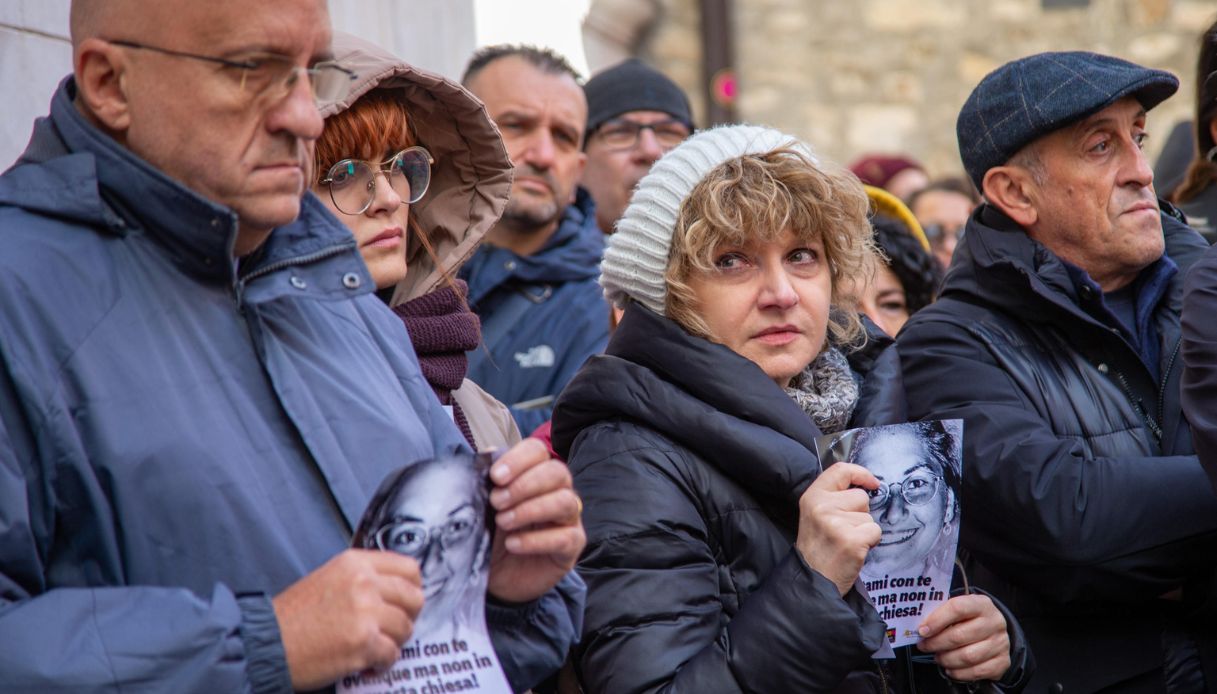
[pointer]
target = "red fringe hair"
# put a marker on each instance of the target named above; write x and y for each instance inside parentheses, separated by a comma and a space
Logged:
(374, 127)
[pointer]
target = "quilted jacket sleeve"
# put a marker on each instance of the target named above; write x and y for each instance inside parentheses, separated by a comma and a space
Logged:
(655, 619)
(1046, 513)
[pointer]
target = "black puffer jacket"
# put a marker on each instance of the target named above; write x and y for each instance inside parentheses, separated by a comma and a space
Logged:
(1082, 501)
(691, 462)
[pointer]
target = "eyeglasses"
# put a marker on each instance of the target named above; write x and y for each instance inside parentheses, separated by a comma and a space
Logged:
(414, 539)
(916, 489)
(271, 76)
(352, 182)
(623, 134)
(938, 234)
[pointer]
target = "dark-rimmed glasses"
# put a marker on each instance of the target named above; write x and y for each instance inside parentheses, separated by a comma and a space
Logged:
(621, 133)
(352, 182)
(270, 76)
(916, 489)
(414, 538)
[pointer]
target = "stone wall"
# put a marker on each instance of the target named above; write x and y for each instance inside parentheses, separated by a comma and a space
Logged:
(890, 75)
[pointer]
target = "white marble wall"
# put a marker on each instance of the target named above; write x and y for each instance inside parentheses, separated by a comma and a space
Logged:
(34, 56)
(35, 53)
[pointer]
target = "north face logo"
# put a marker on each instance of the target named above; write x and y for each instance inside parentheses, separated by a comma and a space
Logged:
(541, 356)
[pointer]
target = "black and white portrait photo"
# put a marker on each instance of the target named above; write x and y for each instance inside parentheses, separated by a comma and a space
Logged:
(916, 505)
(438, 512)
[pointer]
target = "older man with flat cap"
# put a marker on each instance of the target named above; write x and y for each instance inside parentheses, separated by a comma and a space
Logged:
(1056, 340)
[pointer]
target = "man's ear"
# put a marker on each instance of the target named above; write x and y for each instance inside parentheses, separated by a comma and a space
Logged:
(1010, 188)
(101, 82)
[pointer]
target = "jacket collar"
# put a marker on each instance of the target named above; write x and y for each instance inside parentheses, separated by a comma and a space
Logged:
(702, 395)
(1000, 264)
(198, 233)
(571, 254)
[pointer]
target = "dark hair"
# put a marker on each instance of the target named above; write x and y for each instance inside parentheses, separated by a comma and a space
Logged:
(916, 269)
(383, 505)
(950, 184)
(940, 447)
(544, 59)
(1202, 172)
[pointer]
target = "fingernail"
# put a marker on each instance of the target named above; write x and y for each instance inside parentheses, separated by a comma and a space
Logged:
(499, 498)
(499, 472)
(923, 630)
(506, 519)
(514, 544)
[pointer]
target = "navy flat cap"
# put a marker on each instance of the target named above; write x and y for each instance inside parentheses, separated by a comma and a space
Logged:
(1033, 96)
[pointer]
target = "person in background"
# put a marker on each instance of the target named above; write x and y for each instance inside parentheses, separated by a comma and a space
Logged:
(906, 277)
(1055, 338)
(720, 557)
(942, 208)
(1174, 159)
(191, 427)
(898, 175)
(533, 283)
(1196, 196)
(634, 115)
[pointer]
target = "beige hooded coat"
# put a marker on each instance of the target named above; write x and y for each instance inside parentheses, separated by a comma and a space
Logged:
(470, 184)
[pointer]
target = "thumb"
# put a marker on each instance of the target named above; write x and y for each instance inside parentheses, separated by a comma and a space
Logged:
(842, 476)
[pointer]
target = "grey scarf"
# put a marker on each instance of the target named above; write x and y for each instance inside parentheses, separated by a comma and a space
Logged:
(826, 391)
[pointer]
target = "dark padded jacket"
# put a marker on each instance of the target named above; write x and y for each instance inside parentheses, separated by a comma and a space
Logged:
(1082, 501)
(691, 462)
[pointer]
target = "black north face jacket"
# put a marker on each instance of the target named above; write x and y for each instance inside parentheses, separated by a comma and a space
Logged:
(1082, 500)
(691, 462)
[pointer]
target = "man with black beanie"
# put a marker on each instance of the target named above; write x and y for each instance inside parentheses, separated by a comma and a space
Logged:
(634, 115)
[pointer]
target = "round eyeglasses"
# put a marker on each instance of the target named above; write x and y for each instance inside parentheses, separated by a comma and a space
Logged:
(352, 182)
(414, 538)
(916, 489)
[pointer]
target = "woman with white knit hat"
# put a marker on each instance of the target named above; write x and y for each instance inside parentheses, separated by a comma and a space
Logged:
(719, 557)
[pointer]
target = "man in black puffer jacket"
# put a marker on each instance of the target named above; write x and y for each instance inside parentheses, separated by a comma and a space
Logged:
(1056, 340)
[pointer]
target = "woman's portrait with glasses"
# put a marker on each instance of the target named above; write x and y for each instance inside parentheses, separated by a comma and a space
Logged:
(435, 511)
(917, 501)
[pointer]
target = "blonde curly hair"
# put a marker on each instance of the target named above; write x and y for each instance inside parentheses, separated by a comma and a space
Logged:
(758, 197)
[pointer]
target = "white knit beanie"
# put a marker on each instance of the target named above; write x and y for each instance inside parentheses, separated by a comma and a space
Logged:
(636, 257)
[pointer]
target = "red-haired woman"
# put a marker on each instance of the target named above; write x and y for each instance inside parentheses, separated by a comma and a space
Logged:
(411, 163)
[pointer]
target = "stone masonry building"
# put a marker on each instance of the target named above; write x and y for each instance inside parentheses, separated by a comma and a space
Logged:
(890, 75)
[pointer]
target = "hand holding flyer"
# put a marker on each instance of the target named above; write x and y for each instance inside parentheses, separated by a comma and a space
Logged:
(437, 511)
(835, 530)
(918, 466)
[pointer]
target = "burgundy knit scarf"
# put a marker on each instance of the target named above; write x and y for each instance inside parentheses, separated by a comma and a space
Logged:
(443, 329)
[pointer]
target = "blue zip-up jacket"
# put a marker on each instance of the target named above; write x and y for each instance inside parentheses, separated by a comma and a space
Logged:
(565, 322)
(182, 438)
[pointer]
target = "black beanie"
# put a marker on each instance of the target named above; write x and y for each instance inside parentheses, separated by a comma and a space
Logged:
(633, 86)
